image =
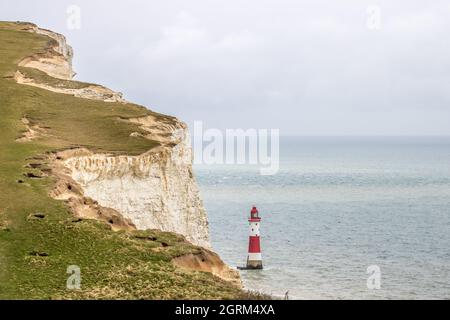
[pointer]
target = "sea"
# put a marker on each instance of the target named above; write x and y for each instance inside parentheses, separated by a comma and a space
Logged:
(344, 218)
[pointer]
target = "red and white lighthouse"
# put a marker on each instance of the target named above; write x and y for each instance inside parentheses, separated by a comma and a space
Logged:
(254, 259)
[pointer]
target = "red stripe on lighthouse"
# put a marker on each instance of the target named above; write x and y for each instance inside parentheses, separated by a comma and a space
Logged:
(254, 245)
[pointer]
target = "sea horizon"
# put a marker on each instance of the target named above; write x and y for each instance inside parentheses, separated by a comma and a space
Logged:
(335, 208)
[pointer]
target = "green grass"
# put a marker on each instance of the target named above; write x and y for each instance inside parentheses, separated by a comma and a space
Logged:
(35, 253)
(42, 77)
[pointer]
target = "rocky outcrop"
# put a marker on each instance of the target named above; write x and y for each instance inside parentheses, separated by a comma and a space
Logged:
(93, 92)
(208, 261)
(56, 61)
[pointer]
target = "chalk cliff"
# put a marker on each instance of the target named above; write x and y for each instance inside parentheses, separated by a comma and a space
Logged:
(154, 190)
(56, 61)
(94, 183)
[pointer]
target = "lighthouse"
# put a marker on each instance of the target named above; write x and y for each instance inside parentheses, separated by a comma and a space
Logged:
(254, 260)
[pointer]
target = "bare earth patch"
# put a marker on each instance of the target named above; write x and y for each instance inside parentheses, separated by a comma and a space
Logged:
(32, 131)
(208, 261)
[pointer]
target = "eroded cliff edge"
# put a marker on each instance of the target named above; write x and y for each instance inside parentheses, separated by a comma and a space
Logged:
(54, 132)
(153, 190)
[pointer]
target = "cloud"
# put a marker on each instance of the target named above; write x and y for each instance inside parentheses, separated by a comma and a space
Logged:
(186, 37)
(306, 67)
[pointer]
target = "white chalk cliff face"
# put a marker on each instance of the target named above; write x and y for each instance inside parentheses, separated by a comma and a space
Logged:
(155, 190)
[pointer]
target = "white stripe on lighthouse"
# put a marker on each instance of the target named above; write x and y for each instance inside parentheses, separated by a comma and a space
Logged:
(254, 256)
(254, 229)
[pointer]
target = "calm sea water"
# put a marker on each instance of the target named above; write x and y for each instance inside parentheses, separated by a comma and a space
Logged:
(337, 206)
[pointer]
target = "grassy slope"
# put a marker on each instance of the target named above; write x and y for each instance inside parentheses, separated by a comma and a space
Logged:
(35, 253)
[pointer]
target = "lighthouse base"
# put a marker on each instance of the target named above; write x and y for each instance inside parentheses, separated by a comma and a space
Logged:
(254, 264)
(249, 268)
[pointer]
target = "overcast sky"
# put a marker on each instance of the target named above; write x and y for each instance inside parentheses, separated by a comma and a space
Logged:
(316, 67)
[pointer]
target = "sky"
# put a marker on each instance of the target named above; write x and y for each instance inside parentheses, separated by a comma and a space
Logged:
(318, 67)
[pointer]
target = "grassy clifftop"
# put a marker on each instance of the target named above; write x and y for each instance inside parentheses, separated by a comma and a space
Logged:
(39, 238)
